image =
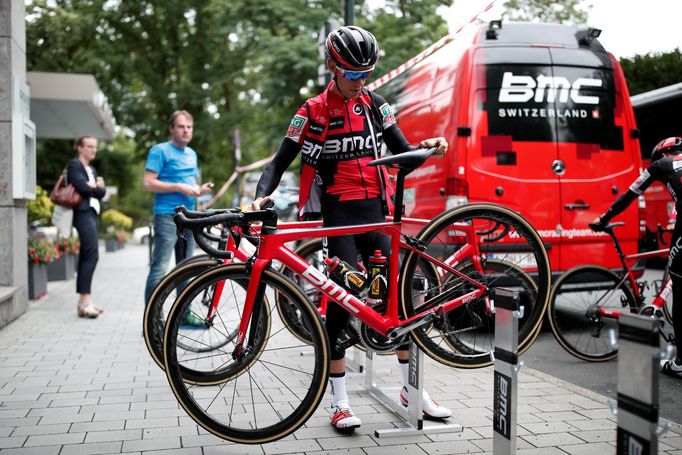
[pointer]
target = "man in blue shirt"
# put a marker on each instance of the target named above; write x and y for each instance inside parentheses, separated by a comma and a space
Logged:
(172, 174)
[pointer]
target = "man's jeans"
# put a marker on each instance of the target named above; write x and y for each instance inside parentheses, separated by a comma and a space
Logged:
(166, 241)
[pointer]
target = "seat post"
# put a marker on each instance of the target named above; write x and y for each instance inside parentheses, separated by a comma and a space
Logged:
(400, 187)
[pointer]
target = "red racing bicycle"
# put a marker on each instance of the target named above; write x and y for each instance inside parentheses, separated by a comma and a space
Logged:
(268, 380)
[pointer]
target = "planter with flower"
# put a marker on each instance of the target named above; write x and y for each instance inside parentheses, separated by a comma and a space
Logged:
(40, 253)
(115, 224)
(64, 268)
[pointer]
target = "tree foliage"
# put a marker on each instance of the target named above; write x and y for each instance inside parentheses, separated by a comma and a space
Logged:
(244, 64)
(651, 71)
(560, 12)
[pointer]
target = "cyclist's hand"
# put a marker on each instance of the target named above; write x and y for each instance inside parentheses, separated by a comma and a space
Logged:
(597, 225)
(188, 190)
(439, 142)
(206, 188)
(261, 203)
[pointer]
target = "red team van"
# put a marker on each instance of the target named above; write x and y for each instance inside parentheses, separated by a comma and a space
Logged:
(538, 119)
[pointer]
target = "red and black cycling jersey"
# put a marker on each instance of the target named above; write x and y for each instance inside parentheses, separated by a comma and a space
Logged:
(666, 170)
(337, 137)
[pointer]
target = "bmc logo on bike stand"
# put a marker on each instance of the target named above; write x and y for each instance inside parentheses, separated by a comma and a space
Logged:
(332, 289)
(502, 403)
(630, 444)
(413, 365)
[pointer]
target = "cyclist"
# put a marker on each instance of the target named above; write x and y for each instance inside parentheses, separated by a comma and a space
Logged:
(338, 133)
(665, 167)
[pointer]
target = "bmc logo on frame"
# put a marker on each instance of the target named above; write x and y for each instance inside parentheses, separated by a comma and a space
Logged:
(550, 89)
(502, 403)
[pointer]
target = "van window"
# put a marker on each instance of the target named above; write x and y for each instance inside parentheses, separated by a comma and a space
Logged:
(544, 103)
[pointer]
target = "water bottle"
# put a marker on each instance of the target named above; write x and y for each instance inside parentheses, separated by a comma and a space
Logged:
(343, 274)
(377, 278)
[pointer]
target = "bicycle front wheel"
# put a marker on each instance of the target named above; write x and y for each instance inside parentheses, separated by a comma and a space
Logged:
(511, 256)
(576, 311)
(274, 386)
(162, 298)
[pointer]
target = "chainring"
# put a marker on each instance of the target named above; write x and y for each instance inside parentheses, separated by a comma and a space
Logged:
(376, 341)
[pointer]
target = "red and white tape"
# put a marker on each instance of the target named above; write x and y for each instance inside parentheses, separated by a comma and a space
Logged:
(428, 51)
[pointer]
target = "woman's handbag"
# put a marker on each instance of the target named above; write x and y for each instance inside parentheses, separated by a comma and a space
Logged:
(65, 194)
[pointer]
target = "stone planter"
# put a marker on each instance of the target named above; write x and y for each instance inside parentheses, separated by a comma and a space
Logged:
(110, 245)
(63, 268)
(37, 280)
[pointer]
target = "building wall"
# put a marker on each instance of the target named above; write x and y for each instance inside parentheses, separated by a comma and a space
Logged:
(13, 221)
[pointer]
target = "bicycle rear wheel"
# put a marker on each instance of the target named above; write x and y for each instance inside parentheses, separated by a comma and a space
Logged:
(510, 252)
(574, 314)
(496, 273)
(311, 252)
(162, 298)
(274, 387)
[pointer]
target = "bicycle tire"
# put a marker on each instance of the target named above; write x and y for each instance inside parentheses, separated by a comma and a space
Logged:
(162, 298)
(267, 408)
(190, 259)
(201, 347)
(507, 275)
(502, 235)
(308, 250)
(579, 329)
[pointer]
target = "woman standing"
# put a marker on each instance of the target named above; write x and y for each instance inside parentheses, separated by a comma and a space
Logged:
(85, 219)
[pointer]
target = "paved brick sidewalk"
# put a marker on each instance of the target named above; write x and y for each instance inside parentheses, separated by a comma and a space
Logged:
(76, 386)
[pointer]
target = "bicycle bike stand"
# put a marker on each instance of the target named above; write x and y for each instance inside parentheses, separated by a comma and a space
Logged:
(639, 354)
(413, 415)
(507, 365)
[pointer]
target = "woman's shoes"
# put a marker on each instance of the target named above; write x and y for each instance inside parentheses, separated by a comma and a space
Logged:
(88, 310)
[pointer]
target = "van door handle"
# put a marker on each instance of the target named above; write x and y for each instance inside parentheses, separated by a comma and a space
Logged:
(577, 206)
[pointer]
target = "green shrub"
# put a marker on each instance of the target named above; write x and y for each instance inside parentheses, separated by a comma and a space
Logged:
(41, 208)
(116, 220)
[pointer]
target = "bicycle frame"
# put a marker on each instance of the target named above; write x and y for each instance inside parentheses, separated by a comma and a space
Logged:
(629, 276)
(242, 255)
(272, 247)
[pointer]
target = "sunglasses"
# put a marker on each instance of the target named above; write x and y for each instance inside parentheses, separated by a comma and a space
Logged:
(354, 75)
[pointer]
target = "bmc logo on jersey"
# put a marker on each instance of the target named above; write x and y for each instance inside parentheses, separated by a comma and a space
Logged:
(311, 151)
(520, 89)
(355, 143)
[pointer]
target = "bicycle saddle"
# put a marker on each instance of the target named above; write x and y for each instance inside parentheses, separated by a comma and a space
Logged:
(408, 161)
(596, 227)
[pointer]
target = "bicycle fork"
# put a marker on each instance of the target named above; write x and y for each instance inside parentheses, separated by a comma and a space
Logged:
(253, 306)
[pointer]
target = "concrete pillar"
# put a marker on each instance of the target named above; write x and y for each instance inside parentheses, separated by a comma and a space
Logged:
(13, 221)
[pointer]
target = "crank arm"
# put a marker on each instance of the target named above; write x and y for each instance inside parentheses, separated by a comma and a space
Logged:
(402, 330)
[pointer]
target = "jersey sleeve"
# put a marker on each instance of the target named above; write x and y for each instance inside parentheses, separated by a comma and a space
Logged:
(646, 178)
(299, 125)
(385, 110)
(392, 135)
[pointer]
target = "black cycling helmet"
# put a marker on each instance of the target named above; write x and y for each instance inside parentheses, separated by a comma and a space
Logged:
(670, 145)
(352, 47)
